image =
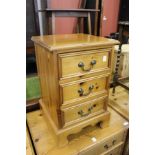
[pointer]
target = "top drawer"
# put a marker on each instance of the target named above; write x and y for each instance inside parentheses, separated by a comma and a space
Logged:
(81, 63)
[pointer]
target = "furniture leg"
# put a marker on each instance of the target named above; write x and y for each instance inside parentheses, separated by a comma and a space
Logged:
(115, 79)
(53, 23)
(89, 23)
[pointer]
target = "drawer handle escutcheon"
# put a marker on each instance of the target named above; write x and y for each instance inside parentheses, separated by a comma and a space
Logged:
(81, 113)
(81, 91)
(81, 65)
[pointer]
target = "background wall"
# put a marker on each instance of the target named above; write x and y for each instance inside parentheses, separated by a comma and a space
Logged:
(64, 24)
(110, 16)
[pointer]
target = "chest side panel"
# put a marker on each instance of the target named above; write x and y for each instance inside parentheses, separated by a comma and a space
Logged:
(45, 67)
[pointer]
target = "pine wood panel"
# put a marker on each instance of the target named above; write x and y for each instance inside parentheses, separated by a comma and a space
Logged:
(73, 41)
(120, 103)
(69, 62)
(107, 147)
(116, 151)
(29, 148)
(47, 80)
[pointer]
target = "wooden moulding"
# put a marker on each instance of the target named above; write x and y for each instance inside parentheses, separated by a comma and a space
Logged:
(97, 72)
(75, 42)
(62, 134)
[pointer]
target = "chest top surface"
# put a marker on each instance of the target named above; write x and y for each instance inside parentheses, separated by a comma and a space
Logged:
(69, 41)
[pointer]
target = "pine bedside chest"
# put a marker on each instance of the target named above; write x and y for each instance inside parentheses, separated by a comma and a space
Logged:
(74, 72)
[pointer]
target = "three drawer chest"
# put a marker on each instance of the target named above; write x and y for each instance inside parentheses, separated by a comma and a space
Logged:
(74, 72)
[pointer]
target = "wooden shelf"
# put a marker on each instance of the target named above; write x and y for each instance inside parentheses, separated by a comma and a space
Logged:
(69, 10)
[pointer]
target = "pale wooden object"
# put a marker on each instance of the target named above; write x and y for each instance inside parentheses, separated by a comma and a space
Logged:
(81, 144)
(29, 148)
(120, 101)
(73, 70)
(89, 23)
(68, 129)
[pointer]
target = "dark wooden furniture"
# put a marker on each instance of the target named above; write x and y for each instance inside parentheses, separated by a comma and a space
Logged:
(122, 25)
(32, 29)
(31, 24)
(81, 13)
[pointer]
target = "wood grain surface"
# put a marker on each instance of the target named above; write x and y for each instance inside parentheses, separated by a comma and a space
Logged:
(120, 101)
(81, 144)
(29, 148)
(72, 41)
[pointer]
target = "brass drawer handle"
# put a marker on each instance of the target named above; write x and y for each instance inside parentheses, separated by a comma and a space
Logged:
(81, 113)
(81, 65)
(114, 142)
(108, 146)
(81, 91)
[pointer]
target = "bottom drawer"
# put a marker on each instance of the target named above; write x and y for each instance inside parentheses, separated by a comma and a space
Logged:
(115, 151)
(85, 110)
(110, 146)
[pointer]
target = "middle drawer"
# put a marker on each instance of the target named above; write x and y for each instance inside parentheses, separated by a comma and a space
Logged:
(84, 90)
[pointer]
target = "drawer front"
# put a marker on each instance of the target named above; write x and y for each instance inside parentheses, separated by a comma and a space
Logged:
(113, 141)
(85, 110)
(115, 151)
(79, 63)
(111, 145)
(81, 90)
